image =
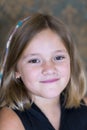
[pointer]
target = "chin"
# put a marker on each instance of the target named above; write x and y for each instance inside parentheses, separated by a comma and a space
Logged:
(51, 95)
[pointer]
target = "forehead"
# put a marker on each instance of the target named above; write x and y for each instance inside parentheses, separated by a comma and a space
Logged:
(45, 41)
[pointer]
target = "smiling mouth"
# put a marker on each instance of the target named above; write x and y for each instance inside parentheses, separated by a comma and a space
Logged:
(49, 81)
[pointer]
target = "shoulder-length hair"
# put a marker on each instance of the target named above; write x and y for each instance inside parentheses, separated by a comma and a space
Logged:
(13, 93)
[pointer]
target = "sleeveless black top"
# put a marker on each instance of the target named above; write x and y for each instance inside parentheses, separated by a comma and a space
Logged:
(71, 119)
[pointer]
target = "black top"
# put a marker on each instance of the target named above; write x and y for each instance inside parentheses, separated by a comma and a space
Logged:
(71, 119)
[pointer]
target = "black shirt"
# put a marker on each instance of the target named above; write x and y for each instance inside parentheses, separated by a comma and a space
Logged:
(71, 119)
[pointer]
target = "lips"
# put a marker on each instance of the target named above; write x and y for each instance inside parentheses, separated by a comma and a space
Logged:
(49, 81)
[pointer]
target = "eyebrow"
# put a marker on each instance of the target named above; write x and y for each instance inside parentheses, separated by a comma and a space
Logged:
(63, 50)
(32, 54)
(37, 54)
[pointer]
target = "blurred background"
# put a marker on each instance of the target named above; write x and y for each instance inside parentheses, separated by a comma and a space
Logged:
(72, 12)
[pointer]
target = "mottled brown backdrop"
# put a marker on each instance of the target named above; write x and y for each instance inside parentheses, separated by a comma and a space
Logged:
(72, 12)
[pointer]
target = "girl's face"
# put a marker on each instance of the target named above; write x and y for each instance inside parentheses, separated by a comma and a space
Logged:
(44, 66)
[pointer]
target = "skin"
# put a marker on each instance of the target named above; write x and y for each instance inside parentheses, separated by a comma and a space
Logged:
(44, 67)
(9, 120)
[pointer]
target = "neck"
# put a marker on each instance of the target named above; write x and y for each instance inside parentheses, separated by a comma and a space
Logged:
(47, 103)
(51, 109)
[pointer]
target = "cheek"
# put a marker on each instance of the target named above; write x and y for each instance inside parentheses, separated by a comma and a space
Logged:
(65, 70)
(65, 74)
(30, 74)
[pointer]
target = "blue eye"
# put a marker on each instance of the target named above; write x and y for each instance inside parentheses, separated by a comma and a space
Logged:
(34, 61)
(57, 58)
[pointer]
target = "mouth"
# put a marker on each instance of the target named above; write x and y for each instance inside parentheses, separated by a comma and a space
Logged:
(49, 81)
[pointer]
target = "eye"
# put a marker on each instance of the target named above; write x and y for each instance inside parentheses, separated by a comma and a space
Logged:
(59, 58)
(33, 61)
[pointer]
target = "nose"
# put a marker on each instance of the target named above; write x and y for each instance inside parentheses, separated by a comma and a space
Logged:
(49, 68)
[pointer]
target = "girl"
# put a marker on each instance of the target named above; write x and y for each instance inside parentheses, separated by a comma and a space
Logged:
(42, 82)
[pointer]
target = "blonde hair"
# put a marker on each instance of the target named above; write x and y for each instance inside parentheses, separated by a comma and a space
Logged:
(13, 93)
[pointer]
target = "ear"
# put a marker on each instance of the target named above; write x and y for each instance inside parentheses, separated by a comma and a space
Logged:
(18, 75)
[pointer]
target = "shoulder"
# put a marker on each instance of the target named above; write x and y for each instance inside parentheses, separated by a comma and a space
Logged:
(77, 117)
(74, 118)
(80, 112)
(9, 120)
